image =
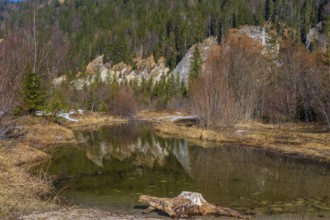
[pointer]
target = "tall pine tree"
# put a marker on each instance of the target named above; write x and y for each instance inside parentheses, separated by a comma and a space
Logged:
(195, 67)
(31, 92)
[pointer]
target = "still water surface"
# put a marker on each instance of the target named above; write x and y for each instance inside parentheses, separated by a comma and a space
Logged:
(114, 165)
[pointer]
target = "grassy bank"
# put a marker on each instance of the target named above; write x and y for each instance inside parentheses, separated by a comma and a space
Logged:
(20, 192)
(93, 120)
(301, 140)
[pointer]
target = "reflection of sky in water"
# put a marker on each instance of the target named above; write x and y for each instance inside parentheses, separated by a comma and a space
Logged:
(114, 165)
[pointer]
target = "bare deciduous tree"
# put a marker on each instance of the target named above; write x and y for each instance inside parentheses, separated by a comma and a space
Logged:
(321, 94)
(227, 92)
(298, 89)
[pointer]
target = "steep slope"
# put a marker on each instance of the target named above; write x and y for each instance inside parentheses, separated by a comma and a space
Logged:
(122, 30)
(183, 67)
(97, 70)
(148, 68)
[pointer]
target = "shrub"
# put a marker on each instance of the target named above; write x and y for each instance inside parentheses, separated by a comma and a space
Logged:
(229, 87)
(125, 103)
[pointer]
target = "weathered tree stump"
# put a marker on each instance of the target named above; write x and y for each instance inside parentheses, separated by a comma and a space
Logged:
(187, 204)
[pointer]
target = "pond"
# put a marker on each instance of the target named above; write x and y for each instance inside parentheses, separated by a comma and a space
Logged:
(114, 165)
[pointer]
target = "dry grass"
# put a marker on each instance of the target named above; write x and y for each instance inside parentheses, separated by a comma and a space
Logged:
(41, 133)
(19, 191)
(91, 120)
(302, 140)
(145, 114)
(158, 116)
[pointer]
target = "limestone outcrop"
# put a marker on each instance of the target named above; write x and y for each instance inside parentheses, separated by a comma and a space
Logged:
(143, 69)
(149, 68)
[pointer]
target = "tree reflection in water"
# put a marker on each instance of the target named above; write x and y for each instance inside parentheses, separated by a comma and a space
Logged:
(230, 175)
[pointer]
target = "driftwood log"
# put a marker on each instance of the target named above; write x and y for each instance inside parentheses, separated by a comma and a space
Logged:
(187, 204)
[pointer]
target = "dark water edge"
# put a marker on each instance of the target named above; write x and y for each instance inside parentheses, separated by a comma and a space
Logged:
(114, 165)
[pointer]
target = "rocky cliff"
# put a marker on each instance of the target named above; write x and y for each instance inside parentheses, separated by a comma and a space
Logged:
(143, 68)
(149, 68)
(183, 66)
(317, 37)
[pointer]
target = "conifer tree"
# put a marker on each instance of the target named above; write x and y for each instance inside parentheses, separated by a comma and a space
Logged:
(195, 67)
(306, 21)
(57, 102)
(269, 10)
(213, 25)
(183, 89)
(170, 86)
(219, 34)
(180, 40)
(170, 53)
(31, 92)
(114, 87)
(177, 82)
(143, 90)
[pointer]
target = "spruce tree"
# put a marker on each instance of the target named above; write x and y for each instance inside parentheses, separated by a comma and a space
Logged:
(219, 34)
(170, 86)
(306, 21)
(213, 25)
(31, 92)
(269, 10)
(57, 102)
(170, 52)
(183, 89)
(180, 41)
(115, 87)
(195, 67)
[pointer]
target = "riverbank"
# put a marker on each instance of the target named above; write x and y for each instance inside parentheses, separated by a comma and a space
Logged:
(22, 193)
(306, 141)
(93, 120)
(301, 140)
(82, 214)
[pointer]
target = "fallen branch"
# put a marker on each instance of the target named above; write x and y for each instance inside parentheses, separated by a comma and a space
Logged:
(9, 130)
(187, 204)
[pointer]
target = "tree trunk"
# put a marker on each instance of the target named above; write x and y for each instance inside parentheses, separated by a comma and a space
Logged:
(187, 204)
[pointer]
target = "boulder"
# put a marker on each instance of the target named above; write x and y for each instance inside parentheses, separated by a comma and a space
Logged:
(94, 66)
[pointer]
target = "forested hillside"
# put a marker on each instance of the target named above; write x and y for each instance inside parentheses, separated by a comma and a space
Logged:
(124, 29)
(42, 40)
(104, 100)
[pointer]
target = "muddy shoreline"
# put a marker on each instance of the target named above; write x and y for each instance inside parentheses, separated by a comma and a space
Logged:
(302, 142)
